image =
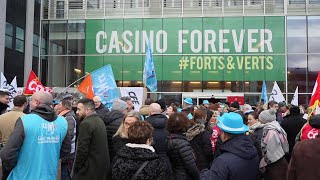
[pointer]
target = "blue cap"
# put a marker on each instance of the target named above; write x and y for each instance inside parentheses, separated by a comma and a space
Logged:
(56, 101)
(205, 102)
(232, 123)
(190, 116)
(179, 110)
(188, 101)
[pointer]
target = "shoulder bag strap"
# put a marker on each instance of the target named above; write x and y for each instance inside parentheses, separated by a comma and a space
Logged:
(139, 170)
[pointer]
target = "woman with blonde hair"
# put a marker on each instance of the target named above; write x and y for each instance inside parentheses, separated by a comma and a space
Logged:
(120, 138)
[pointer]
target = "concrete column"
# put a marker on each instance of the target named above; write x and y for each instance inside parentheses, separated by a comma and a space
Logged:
(3, 3)
(28, 45)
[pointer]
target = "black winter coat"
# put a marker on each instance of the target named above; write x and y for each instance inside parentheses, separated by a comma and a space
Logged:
(102, 110)
(112, 120)
(292, 124)
(256, 137)
(118, 143)
(129, 160)
(182, 158)
(160, 134)
(239, 160)
(199, 139)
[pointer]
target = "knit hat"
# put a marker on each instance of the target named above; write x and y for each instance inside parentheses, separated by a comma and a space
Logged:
(267, 116)
(119, 105)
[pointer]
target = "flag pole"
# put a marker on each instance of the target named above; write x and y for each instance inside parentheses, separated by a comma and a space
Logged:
(74, 83)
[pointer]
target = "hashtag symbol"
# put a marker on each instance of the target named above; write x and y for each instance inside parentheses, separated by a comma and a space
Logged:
(184, 62)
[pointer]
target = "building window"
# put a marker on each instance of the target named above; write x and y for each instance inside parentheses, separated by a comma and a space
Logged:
(19, 39)
(60, 9)
(9, 35)
(35, 45)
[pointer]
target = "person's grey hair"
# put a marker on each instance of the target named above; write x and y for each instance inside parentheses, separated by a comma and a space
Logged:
(66, 103)
(125, 98)
(247, 106)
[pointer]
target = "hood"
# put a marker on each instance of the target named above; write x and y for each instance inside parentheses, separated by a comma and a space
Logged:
(137, 153)
(241, 146)
(100, 107)
(112, 116)
(158, 121)
(144, 110)
(46, 112)
(194, 131)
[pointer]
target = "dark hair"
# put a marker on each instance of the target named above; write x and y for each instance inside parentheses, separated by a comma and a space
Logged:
(4, 93)
(66, 103)
(177, 104)
(244, 117)
(255, 115)
(213, 107)
(235, 104)
(139, 132)
(162, 103)
(88, 103)
(305, 106)
(125, 98)
(271, 103)
(232, 135)
(148, 101)
(178, 124)
(200, 114)
(174, 108)
(19, 100)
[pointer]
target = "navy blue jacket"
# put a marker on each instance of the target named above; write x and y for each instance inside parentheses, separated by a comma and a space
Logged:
(239, 160)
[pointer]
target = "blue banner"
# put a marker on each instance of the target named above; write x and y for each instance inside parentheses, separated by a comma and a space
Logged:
(149, 74)
(264, 95)
(104, 85)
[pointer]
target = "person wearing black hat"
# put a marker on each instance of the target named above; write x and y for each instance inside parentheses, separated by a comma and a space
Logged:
(235, 106)
(292, 124)
(239, 158)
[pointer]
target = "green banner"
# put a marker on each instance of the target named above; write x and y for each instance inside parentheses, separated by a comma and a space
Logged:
(190, 49)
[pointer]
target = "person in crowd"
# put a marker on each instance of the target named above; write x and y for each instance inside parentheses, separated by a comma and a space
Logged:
(8, 120)
(37, 142)
(205, 103)
(64, 108)
(187, 102)
(273, 105)
(292, 125)
(159, 123)
(274, 139)
(199, 138)
(101, 110)
(128, 100)
(120, 138)
(163, 106)
(234, 107)
(246, 109)
(4, 101)
(259, 107)
(144, 110)
(112, 121)
(255, 131)
(92, 158)
(304, 164)
(239, 159)
(137, 159)
(310, 130)
(172, 109)
(215, 136)
(180, 151)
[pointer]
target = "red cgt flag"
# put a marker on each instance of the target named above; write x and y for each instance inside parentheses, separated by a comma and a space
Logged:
(315, 97)
(33, 85)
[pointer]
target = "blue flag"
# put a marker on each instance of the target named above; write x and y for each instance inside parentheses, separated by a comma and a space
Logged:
(104, 85)
(264, 95)
(149, 74)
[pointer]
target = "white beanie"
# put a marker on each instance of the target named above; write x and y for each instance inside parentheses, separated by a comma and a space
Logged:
(119, 105)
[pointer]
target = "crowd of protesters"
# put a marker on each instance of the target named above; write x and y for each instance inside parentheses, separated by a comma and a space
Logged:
(87, 141)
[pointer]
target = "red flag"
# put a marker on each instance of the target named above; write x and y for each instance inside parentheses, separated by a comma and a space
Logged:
(33, 85)
(86, 87)
(315, 97)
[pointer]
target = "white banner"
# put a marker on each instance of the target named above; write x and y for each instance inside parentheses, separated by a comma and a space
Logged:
(276, 94)
(136, 95)
(295, 98)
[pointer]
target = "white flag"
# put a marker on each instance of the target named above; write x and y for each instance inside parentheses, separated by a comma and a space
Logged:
(295, 98)
(13, 89)
(276, 94)
(136, 95)
(3, 81)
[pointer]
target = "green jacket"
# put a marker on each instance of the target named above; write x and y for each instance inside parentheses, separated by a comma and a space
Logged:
(92, 160)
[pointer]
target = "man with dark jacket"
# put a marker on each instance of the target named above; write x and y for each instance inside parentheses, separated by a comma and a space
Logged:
(101, 110)
(33, 149)
(160, 133)
(239, 158)
(92, 160)
(292, 124)
(64, 108)
(304, 164)
(112, 121)
(4, 101)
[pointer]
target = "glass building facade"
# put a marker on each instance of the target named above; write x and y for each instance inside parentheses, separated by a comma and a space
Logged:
(198, 46)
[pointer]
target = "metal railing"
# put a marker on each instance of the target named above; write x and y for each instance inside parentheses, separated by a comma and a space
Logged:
(101, 9)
